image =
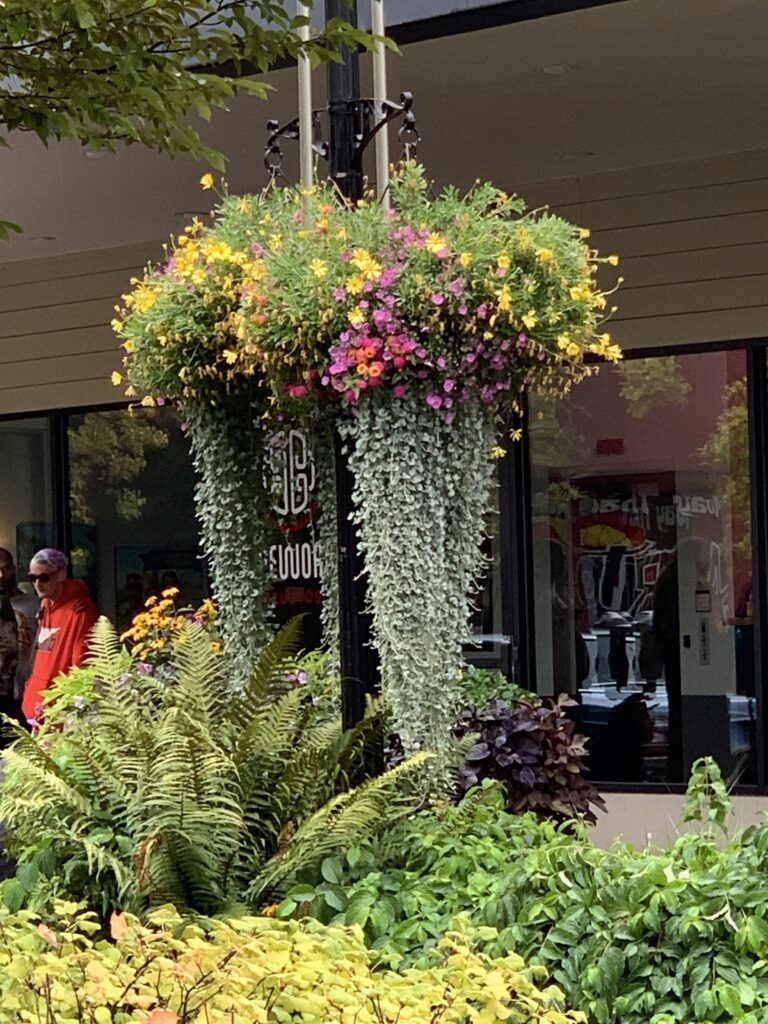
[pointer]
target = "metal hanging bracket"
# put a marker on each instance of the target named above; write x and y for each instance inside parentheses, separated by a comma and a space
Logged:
(372, 116)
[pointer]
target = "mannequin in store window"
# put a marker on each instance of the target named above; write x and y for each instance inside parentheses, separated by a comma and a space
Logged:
(570, 657)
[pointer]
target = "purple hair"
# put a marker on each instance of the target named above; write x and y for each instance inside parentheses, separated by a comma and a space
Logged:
(50, 557)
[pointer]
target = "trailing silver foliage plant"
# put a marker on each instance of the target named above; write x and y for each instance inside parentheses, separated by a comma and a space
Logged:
(324, 453)
(422, 488)
(232, 506)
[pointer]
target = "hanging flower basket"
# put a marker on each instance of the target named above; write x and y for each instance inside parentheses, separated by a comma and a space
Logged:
(417, 329)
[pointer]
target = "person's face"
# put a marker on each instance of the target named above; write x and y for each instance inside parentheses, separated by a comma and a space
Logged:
(47, 581)
(7, 573)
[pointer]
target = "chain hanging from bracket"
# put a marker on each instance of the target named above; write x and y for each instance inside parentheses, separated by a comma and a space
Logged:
(408, 134)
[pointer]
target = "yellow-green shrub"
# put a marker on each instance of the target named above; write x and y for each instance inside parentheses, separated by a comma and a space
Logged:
(253, 969)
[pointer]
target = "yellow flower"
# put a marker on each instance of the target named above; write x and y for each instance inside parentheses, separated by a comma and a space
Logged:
(116, 325)
(530, 319)
(355, 285)
(207, 181)
(503, 262)
(435, 243)
(504, 299)
(356, 317)
(544, 255)
(230, 357)
(584, 232)
(117, 378)
(130, 391)
(319, 268)
(465, 259)
(580, 292)
(128, 345)
(148, 401)
(613, 260)
(563, 341)
(498, 452)
(145, 297)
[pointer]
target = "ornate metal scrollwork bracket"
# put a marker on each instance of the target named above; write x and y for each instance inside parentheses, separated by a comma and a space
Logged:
(373, 115)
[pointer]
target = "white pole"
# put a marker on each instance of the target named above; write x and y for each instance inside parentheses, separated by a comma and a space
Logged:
(305, 113)
(379, 95)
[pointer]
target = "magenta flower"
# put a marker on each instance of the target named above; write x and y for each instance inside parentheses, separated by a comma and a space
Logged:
(438, 298)
(434, 401)
(449, 385)
(339, 294)
(463, 309)
(398, 391)
(456, 287)
(482, 311)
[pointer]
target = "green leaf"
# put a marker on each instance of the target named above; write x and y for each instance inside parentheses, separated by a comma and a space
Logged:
(330, 869)
(358, 908)
(28, 876)
(729, 999)
(13, 895)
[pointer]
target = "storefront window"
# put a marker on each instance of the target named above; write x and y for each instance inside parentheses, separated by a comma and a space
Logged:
(642, 564)
(26, 494)
(132, 513)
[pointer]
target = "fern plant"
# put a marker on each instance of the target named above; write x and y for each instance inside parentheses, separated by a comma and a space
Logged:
(203, 796)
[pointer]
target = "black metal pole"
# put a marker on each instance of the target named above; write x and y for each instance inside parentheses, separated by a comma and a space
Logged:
(359, 664)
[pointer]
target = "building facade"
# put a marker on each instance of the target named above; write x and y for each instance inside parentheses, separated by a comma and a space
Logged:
(630, 550)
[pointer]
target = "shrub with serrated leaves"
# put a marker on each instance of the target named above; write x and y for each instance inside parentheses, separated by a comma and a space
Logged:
(172, 971)
(653, 936)
(202, 796)
(533, 751)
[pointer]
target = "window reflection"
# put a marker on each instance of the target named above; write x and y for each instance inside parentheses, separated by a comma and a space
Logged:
(642, 562)
(132, 513)
(26, 496)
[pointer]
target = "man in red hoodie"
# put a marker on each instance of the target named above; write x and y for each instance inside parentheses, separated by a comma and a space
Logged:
(67, 615)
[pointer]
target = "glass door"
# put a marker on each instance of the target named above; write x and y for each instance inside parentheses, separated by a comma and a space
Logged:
(643, 561)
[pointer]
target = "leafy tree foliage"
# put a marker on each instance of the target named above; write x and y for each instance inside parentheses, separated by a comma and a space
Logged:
(110, 71)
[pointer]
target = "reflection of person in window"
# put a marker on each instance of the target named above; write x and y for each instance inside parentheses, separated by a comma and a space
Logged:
(617, 752)
(25, 607)
(666, 628)
(570, 657)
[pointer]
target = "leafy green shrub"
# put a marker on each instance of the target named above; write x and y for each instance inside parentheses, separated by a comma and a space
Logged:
(407, 886)
(173, 971)
(631, 936)
(196, 795)
(533, 751)
(480, 686)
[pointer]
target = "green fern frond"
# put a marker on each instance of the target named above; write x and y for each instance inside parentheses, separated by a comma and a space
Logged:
(268, 678)
(105, 655)
(341, 823)
(199, 688)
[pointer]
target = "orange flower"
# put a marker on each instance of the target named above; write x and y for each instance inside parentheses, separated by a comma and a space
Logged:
(162, 1017)
(117, 925)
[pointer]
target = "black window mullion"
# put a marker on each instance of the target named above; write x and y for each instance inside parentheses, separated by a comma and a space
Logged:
(757, 391)
(62, 518)
(516, 557)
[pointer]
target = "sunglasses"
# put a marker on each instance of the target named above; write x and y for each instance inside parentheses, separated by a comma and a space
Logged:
(40, 577)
